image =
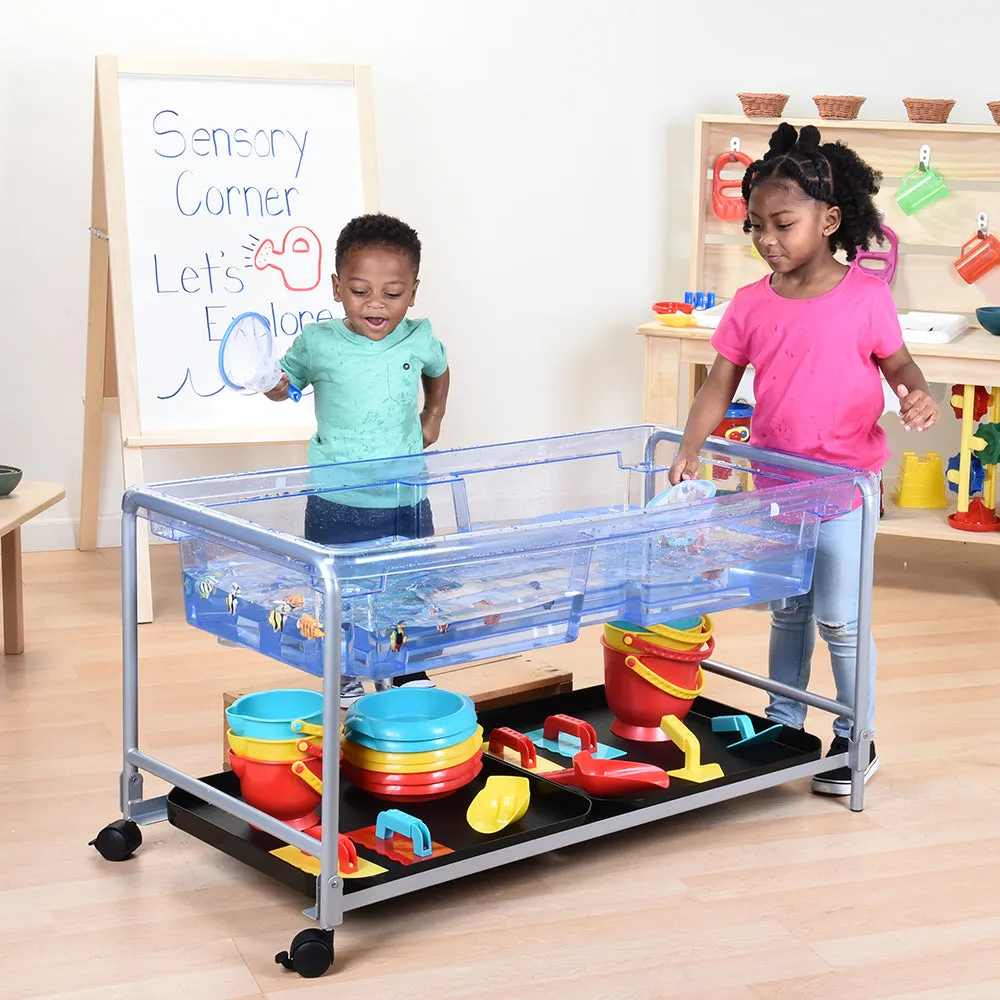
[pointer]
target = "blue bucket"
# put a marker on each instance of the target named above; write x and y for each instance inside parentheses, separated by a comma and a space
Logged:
(268, 715)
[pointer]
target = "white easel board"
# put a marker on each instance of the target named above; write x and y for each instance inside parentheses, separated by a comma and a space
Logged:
(219, 189)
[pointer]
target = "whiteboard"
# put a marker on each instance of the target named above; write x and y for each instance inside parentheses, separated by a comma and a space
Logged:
(235, 189)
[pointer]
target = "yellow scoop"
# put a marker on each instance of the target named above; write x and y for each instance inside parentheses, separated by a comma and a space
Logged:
(502, 801)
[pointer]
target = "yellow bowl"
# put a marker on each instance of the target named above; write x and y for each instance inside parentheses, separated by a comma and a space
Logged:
(661, 635)
(677, 319)
(412, 763)
(276, 751)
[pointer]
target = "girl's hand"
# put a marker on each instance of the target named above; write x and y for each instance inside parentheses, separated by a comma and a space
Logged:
(916, 409)
(280, 391)
(684, 467)
(430, 424)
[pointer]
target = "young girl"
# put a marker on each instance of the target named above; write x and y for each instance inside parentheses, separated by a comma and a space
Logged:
(367, 371)
(819, 335)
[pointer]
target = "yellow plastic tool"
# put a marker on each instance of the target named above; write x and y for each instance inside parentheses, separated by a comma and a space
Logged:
(276, 751)
(310, 865)
(693, 769)
(503, 800)
(412, 763)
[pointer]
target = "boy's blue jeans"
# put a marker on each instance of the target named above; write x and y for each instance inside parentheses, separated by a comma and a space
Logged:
(831, 605)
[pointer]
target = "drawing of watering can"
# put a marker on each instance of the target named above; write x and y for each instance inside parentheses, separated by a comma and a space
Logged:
(299, 261)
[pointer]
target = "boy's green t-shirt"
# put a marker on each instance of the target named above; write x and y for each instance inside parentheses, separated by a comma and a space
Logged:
(366, 395)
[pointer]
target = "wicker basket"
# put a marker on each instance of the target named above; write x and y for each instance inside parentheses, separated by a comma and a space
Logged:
(843, 108)
(920, 109)
(994, 107)
(763, 105)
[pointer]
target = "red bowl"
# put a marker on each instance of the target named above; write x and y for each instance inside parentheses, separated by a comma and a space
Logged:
(274, 788)
(416, 779)
(667, 308)
(414, 792)
(636, 704)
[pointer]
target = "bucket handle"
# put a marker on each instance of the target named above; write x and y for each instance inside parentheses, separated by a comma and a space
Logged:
(665, 652)
(316, 784)
(635, 664)
(308, 728)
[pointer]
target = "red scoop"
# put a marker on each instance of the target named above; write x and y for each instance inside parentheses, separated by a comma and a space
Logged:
(608, 778)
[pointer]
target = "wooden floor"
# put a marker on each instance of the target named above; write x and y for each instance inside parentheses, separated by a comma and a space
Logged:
(779, 895)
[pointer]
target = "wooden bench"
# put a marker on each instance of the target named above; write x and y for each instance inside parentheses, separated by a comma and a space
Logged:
(28, 500)
(507, 680)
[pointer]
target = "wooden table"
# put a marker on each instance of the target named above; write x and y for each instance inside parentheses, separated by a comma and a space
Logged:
(677, 360)
(27, 500)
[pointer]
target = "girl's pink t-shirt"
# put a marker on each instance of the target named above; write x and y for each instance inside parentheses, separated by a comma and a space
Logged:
(817, 384)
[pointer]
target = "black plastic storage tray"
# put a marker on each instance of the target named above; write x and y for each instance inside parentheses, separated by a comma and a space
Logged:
(791, 747)
(552, 808)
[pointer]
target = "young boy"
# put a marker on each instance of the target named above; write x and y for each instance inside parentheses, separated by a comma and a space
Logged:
(367, 371)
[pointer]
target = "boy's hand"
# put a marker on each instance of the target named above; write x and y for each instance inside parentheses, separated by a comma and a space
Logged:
(684, 467)
(280, 391)
(430, 424)
(916, 409)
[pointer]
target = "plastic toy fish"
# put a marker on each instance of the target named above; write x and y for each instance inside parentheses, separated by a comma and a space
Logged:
(206, 587)
(188, 585)
(232, 601)
(276, 619)
(294, 601)
(397, 637)
(310, 627)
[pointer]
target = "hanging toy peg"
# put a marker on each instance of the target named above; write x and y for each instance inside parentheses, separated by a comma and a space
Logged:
(727, 205)
(925, 157)
(983, 223)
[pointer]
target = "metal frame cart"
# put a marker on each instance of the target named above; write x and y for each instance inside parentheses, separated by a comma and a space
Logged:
(610, 557)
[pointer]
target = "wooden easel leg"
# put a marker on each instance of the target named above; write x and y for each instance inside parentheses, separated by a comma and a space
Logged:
(98, 331)
(133, 475)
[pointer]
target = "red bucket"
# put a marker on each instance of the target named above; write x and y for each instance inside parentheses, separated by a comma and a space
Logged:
(641, 690)
(274, 788)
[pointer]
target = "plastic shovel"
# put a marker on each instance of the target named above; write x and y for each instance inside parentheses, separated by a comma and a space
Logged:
(503, 800)
(611, 778)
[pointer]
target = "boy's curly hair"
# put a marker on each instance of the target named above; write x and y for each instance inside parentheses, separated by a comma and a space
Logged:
(377, 230)
(830, 172)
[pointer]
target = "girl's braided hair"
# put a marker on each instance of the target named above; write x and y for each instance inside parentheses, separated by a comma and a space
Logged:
(832, 173)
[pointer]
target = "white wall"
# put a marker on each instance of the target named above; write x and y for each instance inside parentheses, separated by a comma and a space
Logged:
(541, 147)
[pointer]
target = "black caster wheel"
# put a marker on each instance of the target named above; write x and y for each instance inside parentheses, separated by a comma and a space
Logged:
(310, 954)
(118, 841)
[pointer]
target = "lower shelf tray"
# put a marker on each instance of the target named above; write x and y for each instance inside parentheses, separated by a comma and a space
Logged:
(553, 807)
(792, 747)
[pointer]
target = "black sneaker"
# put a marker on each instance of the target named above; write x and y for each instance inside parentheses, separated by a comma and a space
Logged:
(417, 680)
(838, 781)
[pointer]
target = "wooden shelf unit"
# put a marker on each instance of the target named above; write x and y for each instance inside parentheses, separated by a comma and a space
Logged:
(968, 157)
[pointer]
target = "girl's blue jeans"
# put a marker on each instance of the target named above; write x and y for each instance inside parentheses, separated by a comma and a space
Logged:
(831, 605)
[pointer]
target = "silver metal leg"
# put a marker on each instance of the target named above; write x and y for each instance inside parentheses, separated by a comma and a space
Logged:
(130, 789)
(861, 737)
(329, 910)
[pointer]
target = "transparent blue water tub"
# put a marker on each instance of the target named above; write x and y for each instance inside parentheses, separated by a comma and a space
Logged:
(533, 539)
